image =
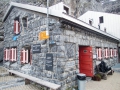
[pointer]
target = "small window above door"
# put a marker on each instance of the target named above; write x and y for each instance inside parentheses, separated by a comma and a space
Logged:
(66, 9)
(101, 19)
(24, 22)
(16, 25)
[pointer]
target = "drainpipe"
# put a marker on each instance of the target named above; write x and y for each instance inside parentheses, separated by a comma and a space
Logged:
(47, 31)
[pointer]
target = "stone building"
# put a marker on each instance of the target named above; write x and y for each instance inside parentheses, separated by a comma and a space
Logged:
(75, 46)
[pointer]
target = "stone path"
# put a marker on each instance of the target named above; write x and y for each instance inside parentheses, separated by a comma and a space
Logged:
(23, 87)
(2, 70)
(112, 83)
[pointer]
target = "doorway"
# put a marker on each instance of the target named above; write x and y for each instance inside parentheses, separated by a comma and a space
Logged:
(119, 54)
(86, 60)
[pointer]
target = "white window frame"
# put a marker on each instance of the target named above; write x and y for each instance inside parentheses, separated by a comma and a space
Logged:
(99, 53)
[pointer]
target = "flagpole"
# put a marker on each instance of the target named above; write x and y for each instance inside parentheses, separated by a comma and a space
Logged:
(47, 32)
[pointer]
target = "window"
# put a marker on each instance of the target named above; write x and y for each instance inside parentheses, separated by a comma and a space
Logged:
(24, 22)
(115, 52)
(101, 19)
(99, 53)
(26, 56)
(10, 54)
(90, 22)
(16, 26)
(66, 10)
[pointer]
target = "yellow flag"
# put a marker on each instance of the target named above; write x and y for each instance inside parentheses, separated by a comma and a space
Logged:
(43, 36)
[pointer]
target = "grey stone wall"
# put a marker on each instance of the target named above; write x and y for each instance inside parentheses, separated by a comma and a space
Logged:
(65, 50)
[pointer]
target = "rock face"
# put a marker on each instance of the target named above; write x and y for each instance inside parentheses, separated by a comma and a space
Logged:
(78, 7)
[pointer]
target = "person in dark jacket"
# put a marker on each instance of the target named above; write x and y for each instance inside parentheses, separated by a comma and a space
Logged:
(103, 67)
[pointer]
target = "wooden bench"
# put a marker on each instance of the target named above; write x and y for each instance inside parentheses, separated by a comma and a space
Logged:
(36, 80)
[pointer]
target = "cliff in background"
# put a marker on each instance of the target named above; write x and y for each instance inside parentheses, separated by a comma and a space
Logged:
(78, 7)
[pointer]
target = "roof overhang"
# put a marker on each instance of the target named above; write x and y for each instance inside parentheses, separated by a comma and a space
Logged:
(64, 17)
(76, 22)
(31, 8)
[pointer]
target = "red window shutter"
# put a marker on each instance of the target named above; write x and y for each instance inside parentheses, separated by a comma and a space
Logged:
(112, 52)
(25, 56)
(15, 26)
(18, 27)
(15, 54)
(21, 58)
(97, 50)
(106, 53)
(30, 57)
(10, 54)
(5, 54)
(116, 53)
(109, 52)
(100, 53)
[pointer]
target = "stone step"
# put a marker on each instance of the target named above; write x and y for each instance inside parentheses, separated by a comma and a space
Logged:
(88, 79)
(4, 74)
(116, 69)
(12, 85)
(3, 70)
(10, 79)
(14, 80)
(24, 87)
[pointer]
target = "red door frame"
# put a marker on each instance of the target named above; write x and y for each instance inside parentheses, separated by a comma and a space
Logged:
(86, 60)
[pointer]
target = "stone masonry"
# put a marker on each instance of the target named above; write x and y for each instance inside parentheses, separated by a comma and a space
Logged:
(65, 50)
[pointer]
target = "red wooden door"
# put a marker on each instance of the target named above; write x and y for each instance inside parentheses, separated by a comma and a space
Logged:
(86, 60)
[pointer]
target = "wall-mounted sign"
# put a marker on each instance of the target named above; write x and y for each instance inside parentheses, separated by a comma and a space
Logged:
(94, 56)
(15, 38)
(43, 35)
(49, 62)
(36, 48)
